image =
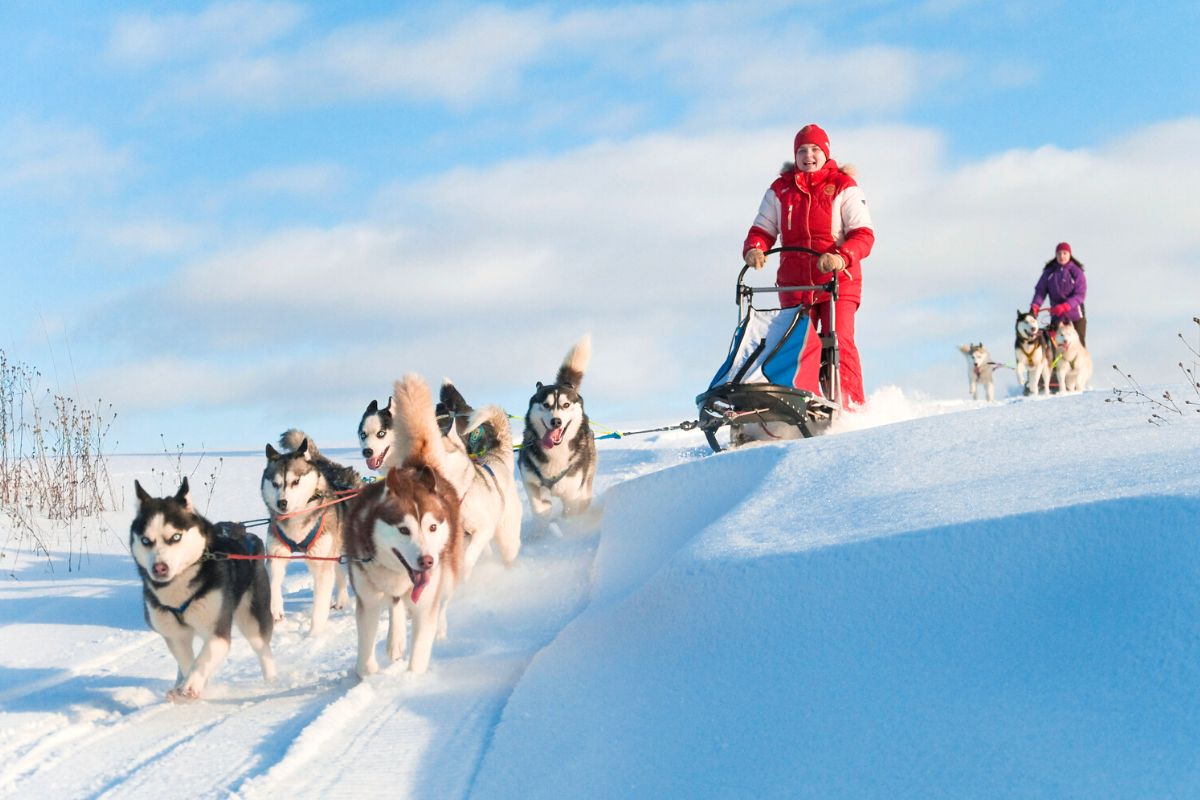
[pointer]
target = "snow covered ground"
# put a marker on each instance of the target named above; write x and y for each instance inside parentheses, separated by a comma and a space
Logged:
(940, 600)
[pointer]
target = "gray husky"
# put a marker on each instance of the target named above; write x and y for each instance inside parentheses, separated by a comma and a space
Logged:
(558, 453)
(301, 489)
(191, 588)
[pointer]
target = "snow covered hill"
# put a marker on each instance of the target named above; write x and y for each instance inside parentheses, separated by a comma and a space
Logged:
(951, 599)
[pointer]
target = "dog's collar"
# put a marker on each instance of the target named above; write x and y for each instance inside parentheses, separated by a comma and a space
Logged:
(308, 541)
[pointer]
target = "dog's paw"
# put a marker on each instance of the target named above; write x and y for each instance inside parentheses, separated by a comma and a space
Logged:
(189, 693)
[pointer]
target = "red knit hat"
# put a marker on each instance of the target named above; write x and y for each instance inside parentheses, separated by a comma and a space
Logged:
(812, 134)
(1062, 246)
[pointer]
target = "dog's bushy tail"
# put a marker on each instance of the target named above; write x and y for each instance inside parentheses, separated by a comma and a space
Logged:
(417, 434)
(291, 439)
(573, 366)
(340, 477)
(496, 418)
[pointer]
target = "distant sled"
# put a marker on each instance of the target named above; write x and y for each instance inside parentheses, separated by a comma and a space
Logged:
(780, 379)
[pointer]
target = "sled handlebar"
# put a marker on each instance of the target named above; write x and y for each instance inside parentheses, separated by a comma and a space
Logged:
(745, 292)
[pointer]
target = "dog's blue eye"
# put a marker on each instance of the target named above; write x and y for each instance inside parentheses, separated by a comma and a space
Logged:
(176, 538)
(379, 435)
(145, 541)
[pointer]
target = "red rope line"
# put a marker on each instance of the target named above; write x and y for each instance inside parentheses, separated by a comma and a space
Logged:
(348, 494)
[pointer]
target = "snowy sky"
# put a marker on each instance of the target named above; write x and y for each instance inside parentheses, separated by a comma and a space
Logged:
(231, 218)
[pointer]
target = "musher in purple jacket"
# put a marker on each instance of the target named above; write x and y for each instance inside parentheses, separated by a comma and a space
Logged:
(1064, 286)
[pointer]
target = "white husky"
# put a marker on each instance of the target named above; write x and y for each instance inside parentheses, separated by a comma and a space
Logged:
(483, 473)
(1074, 366)
(979, 370)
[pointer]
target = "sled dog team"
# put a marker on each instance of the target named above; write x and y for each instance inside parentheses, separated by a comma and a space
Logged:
(1038, 354)
(405, 542)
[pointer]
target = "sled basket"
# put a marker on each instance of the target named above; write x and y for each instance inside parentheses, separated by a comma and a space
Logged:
(779, 380)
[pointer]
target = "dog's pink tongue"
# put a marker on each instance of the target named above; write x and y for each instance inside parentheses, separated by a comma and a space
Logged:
(553, 437)
(374, 461)
(420, 580)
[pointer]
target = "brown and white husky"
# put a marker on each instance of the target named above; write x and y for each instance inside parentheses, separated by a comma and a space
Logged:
(405, 539)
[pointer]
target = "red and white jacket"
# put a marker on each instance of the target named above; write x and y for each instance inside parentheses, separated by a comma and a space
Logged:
(825, 211)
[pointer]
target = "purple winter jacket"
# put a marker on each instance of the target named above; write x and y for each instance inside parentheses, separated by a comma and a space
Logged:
(1062, 283)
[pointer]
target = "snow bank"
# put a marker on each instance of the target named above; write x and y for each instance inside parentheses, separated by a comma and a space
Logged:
(828, 634)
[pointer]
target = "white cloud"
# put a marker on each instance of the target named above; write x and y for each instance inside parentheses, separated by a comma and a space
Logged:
(301, 180)
(222, 28)
(455, 58)
(488, 275)
(152, 237)
(727, 62)
(52, 157)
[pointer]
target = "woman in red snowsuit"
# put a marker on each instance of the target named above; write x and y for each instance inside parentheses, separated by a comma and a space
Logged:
(814, 203)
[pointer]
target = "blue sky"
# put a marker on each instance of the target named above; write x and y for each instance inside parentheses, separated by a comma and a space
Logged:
(231, 218)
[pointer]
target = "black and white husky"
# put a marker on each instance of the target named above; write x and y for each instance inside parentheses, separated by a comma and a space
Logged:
(190, 587)
(558, 452)
(1032, 354)
(376, 434)
(300, 488)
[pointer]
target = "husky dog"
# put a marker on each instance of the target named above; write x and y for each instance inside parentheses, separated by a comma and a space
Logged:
(1074, 366)
(453, 409)
(375, 434)
(1031, 354)
(405, 539)
(979, 370)
(189, 590)
(481, 466)
(558, 452)
(299, 487)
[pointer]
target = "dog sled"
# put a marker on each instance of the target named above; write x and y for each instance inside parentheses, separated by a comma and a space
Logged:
(780, 379)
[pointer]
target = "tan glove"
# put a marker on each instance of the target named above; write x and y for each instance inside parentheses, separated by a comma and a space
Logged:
(831, 262)
(755, 258)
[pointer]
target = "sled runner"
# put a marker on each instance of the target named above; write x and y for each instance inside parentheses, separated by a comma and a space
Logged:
(780, 379)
